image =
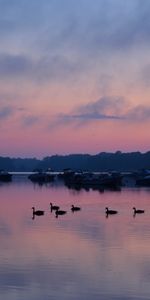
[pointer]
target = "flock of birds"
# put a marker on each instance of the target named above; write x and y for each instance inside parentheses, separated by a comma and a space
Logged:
(59, 211)
(55, 208)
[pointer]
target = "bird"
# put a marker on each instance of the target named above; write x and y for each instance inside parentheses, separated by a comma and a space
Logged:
(37, 212)
(54, 207)
(110, 211)
(75, 208)
(138, 211)
(60, 212)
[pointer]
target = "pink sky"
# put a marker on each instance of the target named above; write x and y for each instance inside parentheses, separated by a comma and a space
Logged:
(74, 80)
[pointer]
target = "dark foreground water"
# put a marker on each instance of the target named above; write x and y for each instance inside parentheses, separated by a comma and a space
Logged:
(81, 255)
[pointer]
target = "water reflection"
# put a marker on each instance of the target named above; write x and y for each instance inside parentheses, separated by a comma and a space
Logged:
(79, 255)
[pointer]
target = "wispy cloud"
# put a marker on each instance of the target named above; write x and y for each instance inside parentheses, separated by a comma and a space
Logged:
(139, 113)
(108, 26)
(30, 120)
(65, 41)
(106, 108)
(54, 67)
(6, 112)
(20, 114)
(13, 65)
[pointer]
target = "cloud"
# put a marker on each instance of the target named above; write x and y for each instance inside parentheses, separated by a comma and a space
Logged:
(139, 113)
(144, 75)
(14, 65)
(30, 120)
(107, 26)
(7, 96)
(18, 113)
(6, 112)
(77, 24)
(106, 108)
(40, 70)
(63, 39)
(103, 109)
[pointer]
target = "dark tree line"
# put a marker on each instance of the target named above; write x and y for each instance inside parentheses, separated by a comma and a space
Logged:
(101, 162)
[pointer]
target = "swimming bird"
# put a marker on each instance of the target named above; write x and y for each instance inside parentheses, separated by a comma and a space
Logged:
(37, 212)
(110, 211)
(54, 207)
(60, 212)
(75, 208)
(138, 211)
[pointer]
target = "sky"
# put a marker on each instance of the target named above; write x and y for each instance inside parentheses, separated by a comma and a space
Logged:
(74, 77)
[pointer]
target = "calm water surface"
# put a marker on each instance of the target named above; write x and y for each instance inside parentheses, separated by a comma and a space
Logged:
(81, 255)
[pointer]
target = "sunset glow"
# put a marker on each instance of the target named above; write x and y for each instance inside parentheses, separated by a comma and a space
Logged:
(74, 76)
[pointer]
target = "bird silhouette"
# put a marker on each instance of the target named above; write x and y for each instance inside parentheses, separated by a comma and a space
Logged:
(54, 207)
(110, 211)
(37, 212)
(60, 212)
(138, 211)
(75, 208)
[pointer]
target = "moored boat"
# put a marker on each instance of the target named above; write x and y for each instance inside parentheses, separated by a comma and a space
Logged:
(96, 181)
(41, 177)
(5, 176)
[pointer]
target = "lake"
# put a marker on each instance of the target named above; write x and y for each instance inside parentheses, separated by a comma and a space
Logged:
(81, 255)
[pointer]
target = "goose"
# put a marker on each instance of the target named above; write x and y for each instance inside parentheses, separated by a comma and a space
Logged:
(54, 207)
(75, 208)
(110, 211)
(60, 212)
(138, 211)
(37, 212)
